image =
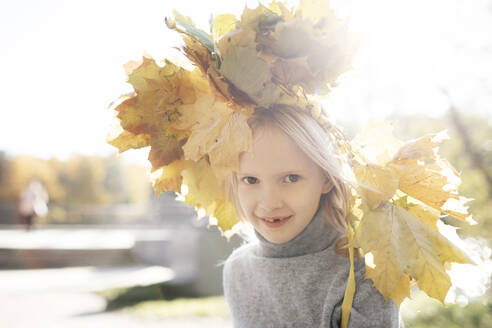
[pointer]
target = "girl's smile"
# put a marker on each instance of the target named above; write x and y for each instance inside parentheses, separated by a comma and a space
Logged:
(276, 222)
(279, 186)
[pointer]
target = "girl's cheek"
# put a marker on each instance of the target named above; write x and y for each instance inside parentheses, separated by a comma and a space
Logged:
(244, 194)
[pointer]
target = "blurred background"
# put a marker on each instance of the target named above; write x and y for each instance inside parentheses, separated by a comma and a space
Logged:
(83, 239)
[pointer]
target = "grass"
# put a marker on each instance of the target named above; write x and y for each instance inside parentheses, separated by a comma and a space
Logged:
(424, 312)
(162, 301)
(183, 307)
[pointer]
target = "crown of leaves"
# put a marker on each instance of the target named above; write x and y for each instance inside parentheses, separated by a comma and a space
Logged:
(195, 123)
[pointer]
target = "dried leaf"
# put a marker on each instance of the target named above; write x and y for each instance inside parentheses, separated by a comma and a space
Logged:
(423, 147)
(197, 53)
(226, 216)
(202, 184)
(403, 244)
(235, 137)
(292, 71)
(431, 183)
(376, 143)
(170, 178)
(292, 39)
(238, 37)
(127, 140)
(207, 132)
(280, 9)
(164, 150)
(376, 184)
(425, 213)
(200, 35)
(250, 74)
(317, 11)
(224, 24)
(252, 18)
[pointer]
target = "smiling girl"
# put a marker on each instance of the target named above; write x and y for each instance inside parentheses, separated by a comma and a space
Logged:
(294, 190)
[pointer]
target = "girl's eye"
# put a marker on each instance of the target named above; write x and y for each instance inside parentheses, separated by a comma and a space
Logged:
(249, 180)
(295, 177)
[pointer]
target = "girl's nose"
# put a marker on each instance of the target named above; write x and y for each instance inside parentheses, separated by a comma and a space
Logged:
(270, 199)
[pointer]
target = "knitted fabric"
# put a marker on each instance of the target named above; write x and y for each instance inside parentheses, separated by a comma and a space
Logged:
(300, 283)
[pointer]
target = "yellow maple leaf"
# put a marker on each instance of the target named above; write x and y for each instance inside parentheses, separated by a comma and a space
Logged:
(164, 150)
(170, 177)
(235, 137)
(250, 74)
(237, 37)
(374, 235)
(251, 18)
(423, 147)
(206, 133)
(403, 244)
(397, 291)
(161, 94)
(402, 289)
(376, 143)
(127, 140)
(316, 10)
(376, 184)
(130, 116)
(427, 214)
(428, 178)
(420, 210)
(292, 71)
(226, 215)
(190, 30)
(280, 9)
(224, 24)
(327, 56)
(194, 113)
(202, 184)
(161, 86)
(432, 183)
(197, 53)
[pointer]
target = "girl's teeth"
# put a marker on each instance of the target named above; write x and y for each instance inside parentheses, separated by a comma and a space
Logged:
(275, 220)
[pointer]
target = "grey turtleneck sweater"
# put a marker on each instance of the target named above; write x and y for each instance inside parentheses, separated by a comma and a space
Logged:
(300, 283)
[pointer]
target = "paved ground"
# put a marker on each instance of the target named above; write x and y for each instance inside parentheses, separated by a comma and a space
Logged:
(61, 298)
(64, 298)
(76, 237)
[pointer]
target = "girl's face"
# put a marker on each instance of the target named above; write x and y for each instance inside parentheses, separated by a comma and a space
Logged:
(279, 181)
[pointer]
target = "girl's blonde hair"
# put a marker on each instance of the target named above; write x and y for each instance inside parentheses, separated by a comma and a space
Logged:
(317, 145)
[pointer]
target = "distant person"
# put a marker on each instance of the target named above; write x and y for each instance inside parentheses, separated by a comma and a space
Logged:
(32, 203)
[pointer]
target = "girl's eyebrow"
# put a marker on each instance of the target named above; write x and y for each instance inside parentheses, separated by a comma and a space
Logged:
(281, 173)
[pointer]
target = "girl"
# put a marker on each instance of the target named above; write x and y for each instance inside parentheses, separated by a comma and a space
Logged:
(293, 189)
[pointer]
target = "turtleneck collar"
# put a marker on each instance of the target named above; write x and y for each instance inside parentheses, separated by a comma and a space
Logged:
(317, 236)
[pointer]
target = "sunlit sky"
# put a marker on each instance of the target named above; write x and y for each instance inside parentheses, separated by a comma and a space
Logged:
(61, 63)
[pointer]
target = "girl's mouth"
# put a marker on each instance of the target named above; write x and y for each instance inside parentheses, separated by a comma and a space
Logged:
(276, 222)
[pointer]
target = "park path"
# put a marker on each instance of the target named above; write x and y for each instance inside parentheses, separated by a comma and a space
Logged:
(57, 298)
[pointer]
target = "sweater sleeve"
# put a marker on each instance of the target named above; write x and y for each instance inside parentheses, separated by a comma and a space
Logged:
(230, 274)
(369, 308)
(227, 281)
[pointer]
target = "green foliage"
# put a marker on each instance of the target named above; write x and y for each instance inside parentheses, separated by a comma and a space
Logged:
(78, 181)
(125, 297)
(194, 307)
(163, 301)
(429, 314)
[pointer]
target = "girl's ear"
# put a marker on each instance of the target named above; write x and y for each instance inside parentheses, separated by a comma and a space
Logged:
(327, 186)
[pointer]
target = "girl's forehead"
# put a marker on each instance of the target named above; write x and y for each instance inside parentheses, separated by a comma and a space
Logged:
(274, 152)
(272, 141)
